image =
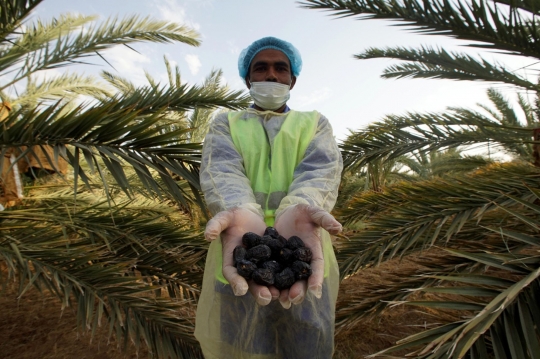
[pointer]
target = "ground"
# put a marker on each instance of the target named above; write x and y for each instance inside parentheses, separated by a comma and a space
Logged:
(36, 327)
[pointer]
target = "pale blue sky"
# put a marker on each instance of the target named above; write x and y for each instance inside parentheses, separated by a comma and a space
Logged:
(349, 92)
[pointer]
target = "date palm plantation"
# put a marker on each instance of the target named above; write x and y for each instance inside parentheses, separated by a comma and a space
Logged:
(114, 235)
(475, 234)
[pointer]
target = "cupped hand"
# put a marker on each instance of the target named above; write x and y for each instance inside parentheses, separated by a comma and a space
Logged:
(231, 226)
(305, 221)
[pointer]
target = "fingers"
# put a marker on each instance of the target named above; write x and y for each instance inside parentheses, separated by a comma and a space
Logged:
(284, 299)
(316, 278)
(218, 224)
(297, 292)
(324, 219)
(261, 293)
(274, 292)
(315, 281)
(237, 282)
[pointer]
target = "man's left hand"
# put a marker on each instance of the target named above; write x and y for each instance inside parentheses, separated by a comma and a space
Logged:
(305, 221)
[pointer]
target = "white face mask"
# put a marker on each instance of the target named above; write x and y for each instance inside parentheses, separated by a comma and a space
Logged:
(269, 95)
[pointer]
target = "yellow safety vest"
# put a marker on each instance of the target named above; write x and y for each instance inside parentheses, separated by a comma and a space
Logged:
(270, 166)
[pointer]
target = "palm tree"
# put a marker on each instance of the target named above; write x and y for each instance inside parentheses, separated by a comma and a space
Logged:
(111, 236)
(484, 223)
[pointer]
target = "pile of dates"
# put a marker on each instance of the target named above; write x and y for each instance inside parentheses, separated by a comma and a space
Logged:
(272, 259)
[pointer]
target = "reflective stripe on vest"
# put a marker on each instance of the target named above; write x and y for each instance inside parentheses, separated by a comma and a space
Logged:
(270, 166)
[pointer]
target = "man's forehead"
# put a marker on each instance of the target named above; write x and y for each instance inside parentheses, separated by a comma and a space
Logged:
(270, 55)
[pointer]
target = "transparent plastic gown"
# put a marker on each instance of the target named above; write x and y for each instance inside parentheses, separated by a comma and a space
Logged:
(238, 328)
(234, 327)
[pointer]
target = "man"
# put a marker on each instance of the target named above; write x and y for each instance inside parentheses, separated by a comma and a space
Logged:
(269, 166)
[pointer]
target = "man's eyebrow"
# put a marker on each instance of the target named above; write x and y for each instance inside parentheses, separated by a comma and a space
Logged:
(280, 63)
(259, 63)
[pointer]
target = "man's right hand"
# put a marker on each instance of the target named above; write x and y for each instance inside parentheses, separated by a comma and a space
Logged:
(231, 226)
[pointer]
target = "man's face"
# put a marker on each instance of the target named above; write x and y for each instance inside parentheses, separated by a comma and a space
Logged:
(271, 65)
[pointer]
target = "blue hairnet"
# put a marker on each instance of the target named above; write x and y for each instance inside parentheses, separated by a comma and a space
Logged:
(247, 55)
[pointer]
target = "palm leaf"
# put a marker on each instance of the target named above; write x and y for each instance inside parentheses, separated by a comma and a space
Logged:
(120, 83)
(36, 52)
(123, 130)
(88, 254)
(532, 6)
(103, 289)
(12, 13)
(399, 135)
(410, 217)
(66, 85)
(427, 62)
(475, 21)
(457, 342)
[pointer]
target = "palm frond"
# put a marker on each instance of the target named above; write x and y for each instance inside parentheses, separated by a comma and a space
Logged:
(532, 6)
(414, 216)
(34, 52)
(512, 309)
(154, 238)
(399, 135)
(174, 79)
(427, 62)
(425, 273)
(477, 20)
(489, 278)
(200, 118)
(137, 264)
(528, 111)
(103, 287)
(508, 117)
(65, 85)
(37, 37)
(123, 130)
(461, 164)
(120, 83)
(13, 13)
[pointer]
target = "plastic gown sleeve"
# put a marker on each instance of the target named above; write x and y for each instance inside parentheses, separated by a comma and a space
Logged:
(223, 178)
(316, 179)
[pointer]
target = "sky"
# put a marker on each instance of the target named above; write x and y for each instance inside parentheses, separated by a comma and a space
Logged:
(349, 92)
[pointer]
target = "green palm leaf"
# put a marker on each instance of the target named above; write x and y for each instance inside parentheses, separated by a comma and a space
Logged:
(12, 13)
(65, 86)
(123, 130)
(411, 217)
(126, 247)
(104, 289)
(46, 46)
(475, 20)
(427, 62)
(400, 135)
(487, 220)
(458, 341)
